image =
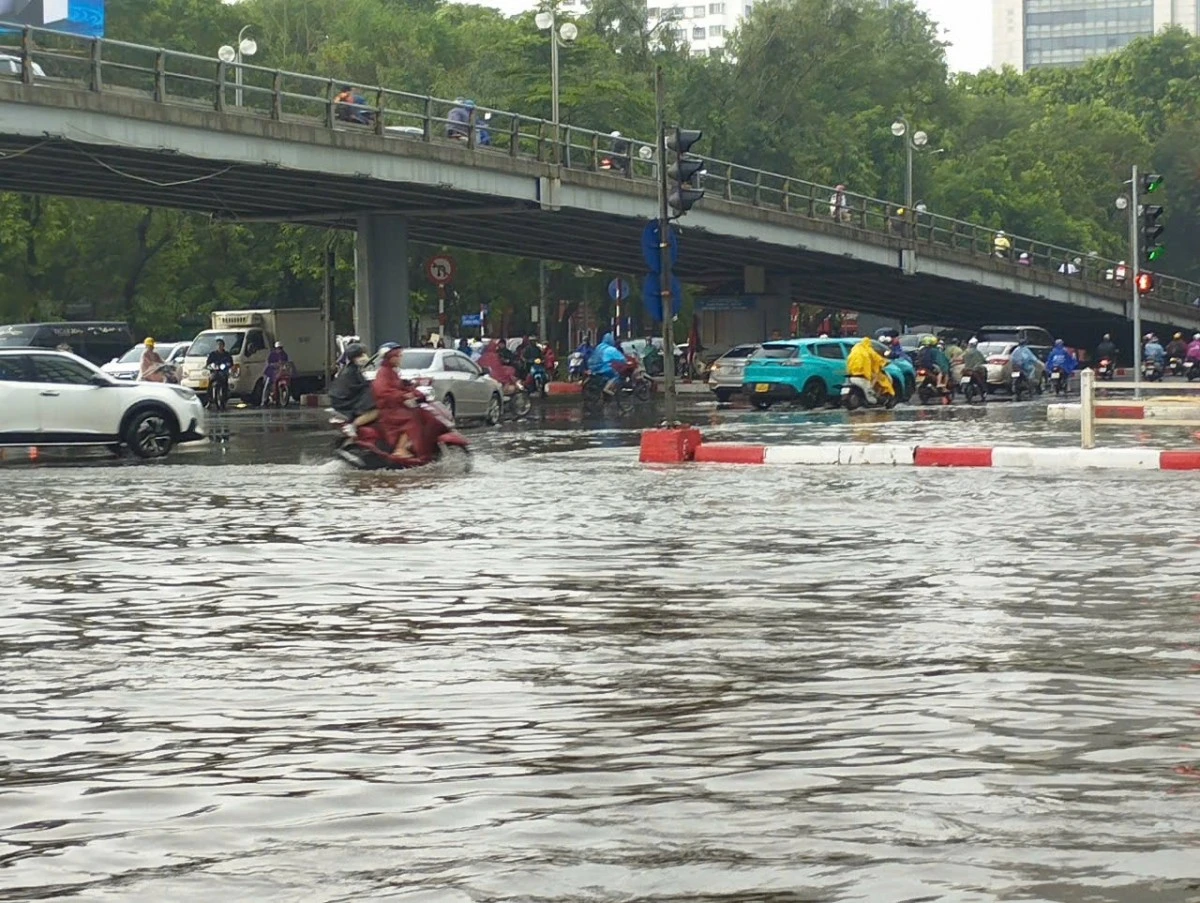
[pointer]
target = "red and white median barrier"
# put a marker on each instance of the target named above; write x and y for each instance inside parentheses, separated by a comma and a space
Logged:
(684, 445)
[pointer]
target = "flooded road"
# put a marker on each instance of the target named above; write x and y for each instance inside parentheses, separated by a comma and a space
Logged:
(566, 677)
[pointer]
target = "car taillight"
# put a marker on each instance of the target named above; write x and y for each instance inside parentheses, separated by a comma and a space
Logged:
(422, 381)
(997, 360)
(922, 372)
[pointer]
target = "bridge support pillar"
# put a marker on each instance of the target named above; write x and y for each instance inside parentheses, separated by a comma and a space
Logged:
(381, 300)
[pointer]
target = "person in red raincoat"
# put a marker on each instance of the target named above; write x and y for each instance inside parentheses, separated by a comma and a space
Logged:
(498, 370)
(400, 418)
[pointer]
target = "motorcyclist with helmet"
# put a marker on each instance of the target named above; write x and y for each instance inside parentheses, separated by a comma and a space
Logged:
(1152, 350)
(350, 393)
(864, 362)
(1177, 347)
(1193, 350)
(1024, 361)
(1061, 358)
(933, 359)
(1106, 350)
(609, 363)
(975, 364)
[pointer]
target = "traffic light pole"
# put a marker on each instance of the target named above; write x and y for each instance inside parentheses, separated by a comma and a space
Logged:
(1134, 196)
(664, 250)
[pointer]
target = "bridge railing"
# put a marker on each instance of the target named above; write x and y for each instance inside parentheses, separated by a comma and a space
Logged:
(171, 77)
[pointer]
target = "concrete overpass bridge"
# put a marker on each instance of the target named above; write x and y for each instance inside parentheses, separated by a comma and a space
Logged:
(143, 125)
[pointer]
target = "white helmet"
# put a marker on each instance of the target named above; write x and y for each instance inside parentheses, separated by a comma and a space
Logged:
(973, 341)
(1196, 337)
(614, 134)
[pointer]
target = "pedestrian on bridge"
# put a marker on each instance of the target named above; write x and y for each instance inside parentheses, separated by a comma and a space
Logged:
(839, 205)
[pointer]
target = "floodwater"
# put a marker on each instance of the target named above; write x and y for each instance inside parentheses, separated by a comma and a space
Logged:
(565, 677)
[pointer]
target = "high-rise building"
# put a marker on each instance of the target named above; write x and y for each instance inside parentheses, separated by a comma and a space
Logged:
(1031, 33)
(702, 26)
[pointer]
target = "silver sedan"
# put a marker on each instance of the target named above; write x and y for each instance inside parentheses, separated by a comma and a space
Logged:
(725, 377)
(451, 378)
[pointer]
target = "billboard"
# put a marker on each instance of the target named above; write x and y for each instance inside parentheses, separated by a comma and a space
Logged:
(85, 17)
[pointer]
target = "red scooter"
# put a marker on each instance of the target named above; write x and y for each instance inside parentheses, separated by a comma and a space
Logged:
(366, 450)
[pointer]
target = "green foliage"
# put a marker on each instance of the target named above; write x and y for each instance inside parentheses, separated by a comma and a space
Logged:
(808, 88)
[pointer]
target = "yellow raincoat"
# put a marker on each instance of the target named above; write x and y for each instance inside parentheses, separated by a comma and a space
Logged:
(867, 363)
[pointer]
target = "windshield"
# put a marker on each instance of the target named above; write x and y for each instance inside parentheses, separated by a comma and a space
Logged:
(776, 352)
(410, 359)
(740, 351)
(988, 349)
(133, 355)
(16, 336)
(206, 343)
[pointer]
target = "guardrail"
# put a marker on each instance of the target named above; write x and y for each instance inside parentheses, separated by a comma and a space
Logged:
(102, 66)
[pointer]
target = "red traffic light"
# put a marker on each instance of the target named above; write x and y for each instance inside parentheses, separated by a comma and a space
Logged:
(1145, 283)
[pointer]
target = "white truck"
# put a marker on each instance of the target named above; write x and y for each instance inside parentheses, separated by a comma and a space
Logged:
(249, 336)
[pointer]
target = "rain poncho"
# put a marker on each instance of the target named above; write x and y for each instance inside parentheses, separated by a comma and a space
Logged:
(1106, 351)
(1193, 351)
(1154, 352)
(399, 410)
(933, 356)
(973, 359)
(1025, 361)
(350, 393)
(277, 361)
(491, 361)
(1061, 357)
(151, 369)
(605, 356)
(867, 363)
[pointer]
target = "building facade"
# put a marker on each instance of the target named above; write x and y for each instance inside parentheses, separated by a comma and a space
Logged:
(1030, 33)
(704, 27)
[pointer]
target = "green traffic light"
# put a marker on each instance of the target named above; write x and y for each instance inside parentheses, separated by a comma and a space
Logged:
(1152, 183)
(1155, 253)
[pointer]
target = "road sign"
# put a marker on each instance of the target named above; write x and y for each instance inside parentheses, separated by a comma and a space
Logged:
(650, 250)
(440, 269)
(652, 296)
(618, 289)
(472, 320)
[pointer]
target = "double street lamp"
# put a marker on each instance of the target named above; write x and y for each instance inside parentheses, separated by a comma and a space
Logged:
(234, 54)
(918, 141)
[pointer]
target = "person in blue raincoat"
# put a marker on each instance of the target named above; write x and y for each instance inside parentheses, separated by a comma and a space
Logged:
(608, 361)
(1061, 357)
(1025, 361)
(1153, 351)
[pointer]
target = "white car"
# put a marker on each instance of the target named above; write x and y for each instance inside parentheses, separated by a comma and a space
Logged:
(451, 378)
(129, 365)
(55, 398)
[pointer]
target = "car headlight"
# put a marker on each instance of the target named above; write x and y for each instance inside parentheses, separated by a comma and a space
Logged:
(183, 392)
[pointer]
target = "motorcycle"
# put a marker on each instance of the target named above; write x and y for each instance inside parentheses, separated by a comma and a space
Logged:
(928, 387)
(278, 390)
(1059, 381)
(1019, 386)
(363, 451)
(535, 381)
(218, 386)
(576, 367)
(1152, 371)
(973, 388)
(516, 404)
(1105, 369)
(858, 392)
(1175, 366)
(1191, 369)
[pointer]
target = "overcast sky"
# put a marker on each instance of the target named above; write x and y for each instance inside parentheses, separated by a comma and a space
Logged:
(967, 25)
(968, 29)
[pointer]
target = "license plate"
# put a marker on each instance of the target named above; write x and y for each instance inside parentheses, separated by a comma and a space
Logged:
(762, 387)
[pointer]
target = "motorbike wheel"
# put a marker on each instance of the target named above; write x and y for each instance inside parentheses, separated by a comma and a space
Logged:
(495, 410)
(925, 394)
(521, 404)
(641, 391)
(853, 401)
(889, 402)
(285, 396)
(972, 394)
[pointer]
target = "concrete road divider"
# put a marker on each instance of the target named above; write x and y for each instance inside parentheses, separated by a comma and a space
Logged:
(677, 446)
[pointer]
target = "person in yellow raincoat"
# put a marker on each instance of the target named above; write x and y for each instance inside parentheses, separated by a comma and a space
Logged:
(867, 363)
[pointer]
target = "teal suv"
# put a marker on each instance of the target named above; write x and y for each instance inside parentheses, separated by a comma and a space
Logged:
(809, 372)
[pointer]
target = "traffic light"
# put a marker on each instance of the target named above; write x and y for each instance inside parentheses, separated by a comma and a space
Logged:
(1145, 283)
(684, 171)
(1152, 229)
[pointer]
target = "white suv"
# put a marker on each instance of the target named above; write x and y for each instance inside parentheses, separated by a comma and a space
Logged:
(55, 398)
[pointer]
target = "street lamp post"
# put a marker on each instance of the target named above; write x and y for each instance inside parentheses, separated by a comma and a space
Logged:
(234, 54)
(547, 20)
(901, 128)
